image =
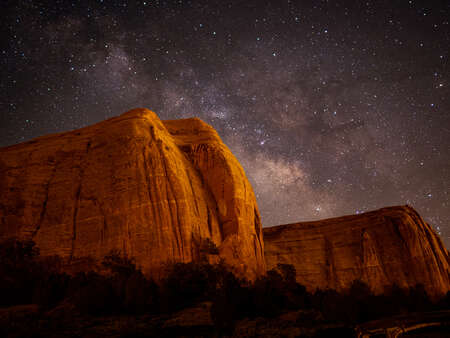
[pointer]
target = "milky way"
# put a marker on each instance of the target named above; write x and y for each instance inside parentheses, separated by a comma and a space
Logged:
(331, 108)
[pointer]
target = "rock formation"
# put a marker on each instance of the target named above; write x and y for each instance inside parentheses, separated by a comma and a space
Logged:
(157, 191)
(171, 191)
(382, 247)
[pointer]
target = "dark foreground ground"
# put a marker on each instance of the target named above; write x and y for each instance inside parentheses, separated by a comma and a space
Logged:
(29, 321)
(198, 299)
(424, 324)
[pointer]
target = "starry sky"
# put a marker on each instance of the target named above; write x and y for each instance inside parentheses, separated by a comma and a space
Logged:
(332, 107)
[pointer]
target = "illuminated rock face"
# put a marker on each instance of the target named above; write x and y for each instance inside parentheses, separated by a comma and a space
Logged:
(382, 247)
(158, 191)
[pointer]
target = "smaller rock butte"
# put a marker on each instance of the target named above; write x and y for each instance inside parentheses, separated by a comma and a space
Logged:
(159, 192)
(382, 247)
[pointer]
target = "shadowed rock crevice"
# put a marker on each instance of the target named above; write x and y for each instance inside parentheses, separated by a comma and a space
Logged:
(44, 203)
(77, 198)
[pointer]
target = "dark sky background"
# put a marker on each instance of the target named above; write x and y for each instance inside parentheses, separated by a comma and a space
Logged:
(332, 107)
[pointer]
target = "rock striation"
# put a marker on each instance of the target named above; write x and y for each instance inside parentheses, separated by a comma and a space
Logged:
(157, 191)
(382, 247)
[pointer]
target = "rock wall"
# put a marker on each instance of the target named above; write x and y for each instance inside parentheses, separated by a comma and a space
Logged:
(157, 191)
(225, 180)
(382, 247)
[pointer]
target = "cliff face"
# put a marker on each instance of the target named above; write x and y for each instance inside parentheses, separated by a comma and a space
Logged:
(382, 247)
(157, 191)
(222, 174)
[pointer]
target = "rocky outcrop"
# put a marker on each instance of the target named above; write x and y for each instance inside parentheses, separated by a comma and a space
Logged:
(156, 191)
(382, 247)
(222, 174)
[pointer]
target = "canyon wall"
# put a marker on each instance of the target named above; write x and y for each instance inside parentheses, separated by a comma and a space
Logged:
(382, 247)
(171, 191)
(158, 192)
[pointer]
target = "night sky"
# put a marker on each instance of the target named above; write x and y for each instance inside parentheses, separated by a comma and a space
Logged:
(332, 107)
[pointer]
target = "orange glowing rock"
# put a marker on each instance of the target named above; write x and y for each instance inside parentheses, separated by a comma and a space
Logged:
(382, 247)
(158, 191)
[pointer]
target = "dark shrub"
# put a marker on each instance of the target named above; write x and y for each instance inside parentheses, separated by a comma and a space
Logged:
(397, 298)
(269, 296)
(51, 289)
(187, 284)
(93, 294)
(140, 294)
(19, 272)
(331, 304)
(418, 299)
(27, 278)
(232, 300)
(118, 264)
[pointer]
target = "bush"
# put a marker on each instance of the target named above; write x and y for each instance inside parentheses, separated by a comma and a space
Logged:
(186, 284)
(26, 278)
(119, 265)
(232, 300)
(94, 295)
(19, 272)
(50, 290)
(140, 295)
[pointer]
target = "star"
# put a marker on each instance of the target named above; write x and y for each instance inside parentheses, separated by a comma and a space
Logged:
(343, 106)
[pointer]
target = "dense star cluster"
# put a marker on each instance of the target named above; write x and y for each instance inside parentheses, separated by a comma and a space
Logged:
(332, 107)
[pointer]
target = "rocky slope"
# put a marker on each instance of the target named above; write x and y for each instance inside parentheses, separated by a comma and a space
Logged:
(390, 245)
(157, 191)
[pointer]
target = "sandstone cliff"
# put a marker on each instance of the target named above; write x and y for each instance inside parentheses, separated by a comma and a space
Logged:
(390, 245)
(157, 191)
